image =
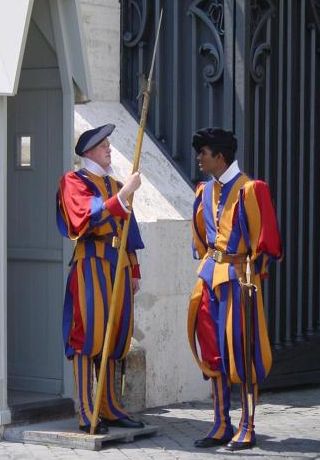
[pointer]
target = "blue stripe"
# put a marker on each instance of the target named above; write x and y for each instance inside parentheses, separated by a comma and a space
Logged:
(207, 271)
(68, 316)
(207, 212)
(96, 210)
(134, 240)
(103, 287)
(89, 384)
(223, 304)
(84, 416)
(61, 223)
(217, 418)
(260, 370)
(88, 281)
(235, 236)
(126, 315)
(115, 411)
(236, 329)
(108, 185)
(225, 190)
(243, 220)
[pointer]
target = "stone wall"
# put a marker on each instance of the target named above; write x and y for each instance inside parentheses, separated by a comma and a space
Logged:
(101, 24)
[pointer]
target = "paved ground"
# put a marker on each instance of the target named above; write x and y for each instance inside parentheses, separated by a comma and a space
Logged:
(287, 424)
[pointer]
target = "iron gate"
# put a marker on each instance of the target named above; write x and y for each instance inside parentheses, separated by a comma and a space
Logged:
(252, 66)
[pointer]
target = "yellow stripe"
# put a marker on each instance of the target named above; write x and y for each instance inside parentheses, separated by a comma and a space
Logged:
(82, 295)
(115, 402)
(220, 274)
(119, 309)
(226, 217)
(76, 379)
(83, 397)
(253, 214)
(219, 434)
(130, 330)
(105, 408)
(234, 377)
(98, 332)
(263, 333)
(86, 362)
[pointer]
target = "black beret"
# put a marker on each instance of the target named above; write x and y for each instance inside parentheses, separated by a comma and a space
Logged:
(215, 138)
(91, 138)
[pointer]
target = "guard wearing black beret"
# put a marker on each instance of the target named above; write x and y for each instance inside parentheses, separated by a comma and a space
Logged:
(91, 208)
(235, 235)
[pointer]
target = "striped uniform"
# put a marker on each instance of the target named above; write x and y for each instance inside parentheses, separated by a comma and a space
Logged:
(236, 218)
(89, 213)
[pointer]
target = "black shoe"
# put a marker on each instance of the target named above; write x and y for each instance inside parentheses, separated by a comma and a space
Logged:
(126, 422)
(209, 442)
(234, 445)
(101, 428)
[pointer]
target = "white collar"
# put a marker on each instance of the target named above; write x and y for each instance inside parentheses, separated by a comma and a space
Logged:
(229, 174)
(94, 168)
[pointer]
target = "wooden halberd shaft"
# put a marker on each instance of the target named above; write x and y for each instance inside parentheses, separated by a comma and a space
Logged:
(122, 250)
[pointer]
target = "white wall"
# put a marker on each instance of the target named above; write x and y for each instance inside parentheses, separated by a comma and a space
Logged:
(161, 314)
(163, 206)
(102, 31)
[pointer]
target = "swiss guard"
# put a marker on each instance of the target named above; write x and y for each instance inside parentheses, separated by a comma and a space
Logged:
(91, 209)
(236, 236)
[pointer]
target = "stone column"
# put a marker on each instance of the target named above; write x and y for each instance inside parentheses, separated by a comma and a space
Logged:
(5, 416)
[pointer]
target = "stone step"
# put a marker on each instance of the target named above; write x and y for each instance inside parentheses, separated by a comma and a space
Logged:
(65, 433)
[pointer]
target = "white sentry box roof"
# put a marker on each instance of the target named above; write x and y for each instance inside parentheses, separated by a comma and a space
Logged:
(14, 24)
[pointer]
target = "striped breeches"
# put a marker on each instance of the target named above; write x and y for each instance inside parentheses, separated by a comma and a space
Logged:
(222, 428)
(110, 409)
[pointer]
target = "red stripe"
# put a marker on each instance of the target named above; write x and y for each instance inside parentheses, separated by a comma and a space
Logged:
(136, 271)
(114, 207)
(206, 333)
(77, 332)
(269, 240)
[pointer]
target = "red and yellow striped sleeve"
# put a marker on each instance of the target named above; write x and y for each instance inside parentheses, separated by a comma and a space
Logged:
(262, 220)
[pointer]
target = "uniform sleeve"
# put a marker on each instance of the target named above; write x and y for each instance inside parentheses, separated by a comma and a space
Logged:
(79, 211)
(199, 244)
(135, 267)
(261, 221)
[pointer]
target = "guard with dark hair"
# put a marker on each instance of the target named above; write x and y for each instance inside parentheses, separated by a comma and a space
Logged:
(235, 234)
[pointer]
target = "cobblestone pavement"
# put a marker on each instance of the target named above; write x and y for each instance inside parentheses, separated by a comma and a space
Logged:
(287, 426)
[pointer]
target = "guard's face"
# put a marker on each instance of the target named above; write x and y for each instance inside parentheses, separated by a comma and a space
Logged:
(101, 154)
(208, 163)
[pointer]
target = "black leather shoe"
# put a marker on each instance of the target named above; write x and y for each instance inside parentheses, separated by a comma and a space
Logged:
(234, 445)
(209, 442)
(126, 422)
(101, 428)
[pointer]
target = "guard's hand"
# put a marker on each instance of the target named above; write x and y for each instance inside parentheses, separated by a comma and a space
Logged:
(135, 285)
(133, 182)
(131, 185)
(239, 271)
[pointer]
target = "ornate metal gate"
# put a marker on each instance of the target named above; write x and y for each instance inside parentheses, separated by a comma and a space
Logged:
(252, 66)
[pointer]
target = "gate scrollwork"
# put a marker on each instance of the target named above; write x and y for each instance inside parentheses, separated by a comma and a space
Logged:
(260, 11)
(138, 10)
(211, 13)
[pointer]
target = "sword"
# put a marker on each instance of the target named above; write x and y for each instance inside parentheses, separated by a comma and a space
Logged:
(248, 290)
